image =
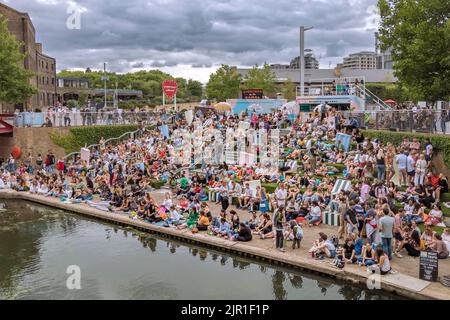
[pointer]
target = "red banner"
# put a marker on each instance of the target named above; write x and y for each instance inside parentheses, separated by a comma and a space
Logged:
(169, 88)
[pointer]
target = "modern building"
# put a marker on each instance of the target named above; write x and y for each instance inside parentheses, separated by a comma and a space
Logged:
(310, 62)
(364, 60)
(317, 75)
(385, 60)
(42, 65)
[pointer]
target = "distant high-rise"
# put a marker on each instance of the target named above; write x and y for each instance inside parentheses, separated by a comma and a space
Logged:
(364, 60)
(310, 62)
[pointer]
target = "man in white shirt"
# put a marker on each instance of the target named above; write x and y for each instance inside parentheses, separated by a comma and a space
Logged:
(281, 195)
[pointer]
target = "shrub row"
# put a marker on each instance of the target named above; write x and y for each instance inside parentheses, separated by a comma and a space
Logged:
(79, 137)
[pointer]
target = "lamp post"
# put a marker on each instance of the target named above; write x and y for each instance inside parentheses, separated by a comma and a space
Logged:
(302, 58)
(104, 79)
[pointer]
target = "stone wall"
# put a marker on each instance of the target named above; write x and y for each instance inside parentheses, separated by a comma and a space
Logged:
(34, 140)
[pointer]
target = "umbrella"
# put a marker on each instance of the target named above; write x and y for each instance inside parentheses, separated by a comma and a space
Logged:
(291, 107)
(318, 108)
(223, 106)
(390, 101)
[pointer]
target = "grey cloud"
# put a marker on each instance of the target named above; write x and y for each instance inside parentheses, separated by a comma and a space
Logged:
(198, 33)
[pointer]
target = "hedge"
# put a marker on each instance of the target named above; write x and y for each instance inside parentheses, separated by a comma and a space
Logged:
(79, 137)
(441, 143)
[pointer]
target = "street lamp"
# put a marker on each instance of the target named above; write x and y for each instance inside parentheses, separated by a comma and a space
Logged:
(104, 78)
(302, 58)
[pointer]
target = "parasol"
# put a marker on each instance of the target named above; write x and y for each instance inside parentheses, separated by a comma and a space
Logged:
(223, 106)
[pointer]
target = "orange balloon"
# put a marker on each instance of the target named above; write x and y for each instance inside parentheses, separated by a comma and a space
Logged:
(16, 152)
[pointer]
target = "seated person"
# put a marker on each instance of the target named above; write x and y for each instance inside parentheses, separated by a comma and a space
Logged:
(437, 245)
(434, 216)
(203, 222)
(367, 257)
(244, 233)
(323, 246)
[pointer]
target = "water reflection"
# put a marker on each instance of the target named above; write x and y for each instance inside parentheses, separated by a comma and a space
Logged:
(33, 254)
(278, 279)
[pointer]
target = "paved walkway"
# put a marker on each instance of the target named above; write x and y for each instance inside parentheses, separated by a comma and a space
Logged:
(405, 282)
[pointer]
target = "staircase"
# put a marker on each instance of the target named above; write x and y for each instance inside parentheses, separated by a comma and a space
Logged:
(368, 95)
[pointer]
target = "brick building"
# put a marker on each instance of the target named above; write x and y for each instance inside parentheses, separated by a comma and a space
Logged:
(43, 66)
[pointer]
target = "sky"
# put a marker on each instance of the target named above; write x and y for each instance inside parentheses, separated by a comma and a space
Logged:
(192, 38)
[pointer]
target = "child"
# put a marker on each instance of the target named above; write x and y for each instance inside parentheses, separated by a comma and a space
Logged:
(339, 260)
(298, 234)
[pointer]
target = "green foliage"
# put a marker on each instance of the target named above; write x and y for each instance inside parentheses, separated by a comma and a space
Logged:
(149, 82)
(261, 78)
(418, 34)
(392, 91)
(194, 88)
(289, 90)
(14, 79)
(79, 137)
(441, 143)
(156, 184)
(223, 84)
(72, 103)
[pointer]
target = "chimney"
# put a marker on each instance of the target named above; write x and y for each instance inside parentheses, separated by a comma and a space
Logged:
(39, 47)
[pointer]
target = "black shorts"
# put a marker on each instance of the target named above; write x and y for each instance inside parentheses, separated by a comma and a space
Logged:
(398, 236)
(411, 173)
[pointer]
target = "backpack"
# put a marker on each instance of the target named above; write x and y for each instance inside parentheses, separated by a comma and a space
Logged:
(335, 240)
(298, 232)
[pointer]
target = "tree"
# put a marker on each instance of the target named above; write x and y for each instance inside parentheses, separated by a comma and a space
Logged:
(223, 84)
(194, 88)
(14, 79)
(261, 78)
(418, 34)
(289, 90)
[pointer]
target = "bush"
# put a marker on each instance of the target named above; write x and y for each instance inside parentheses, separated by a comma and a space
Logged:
(72, 103)
(441, 143)
(156, 184)
(79, 137)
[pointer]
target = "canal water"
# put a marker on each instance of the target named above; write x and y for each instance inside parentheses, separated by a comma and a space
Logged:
(38, 244)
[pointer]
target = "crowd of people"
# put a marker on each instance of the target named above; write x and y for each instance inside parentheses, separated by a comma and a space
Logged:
(394, 189)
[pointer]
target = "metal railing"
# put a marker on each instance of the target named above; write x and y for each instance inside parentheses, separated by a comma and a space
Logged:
(77, 118)
(424, 121)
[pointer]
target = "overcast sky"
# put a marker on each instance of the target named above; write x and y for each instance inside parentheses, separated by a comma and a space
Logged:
(191, 38)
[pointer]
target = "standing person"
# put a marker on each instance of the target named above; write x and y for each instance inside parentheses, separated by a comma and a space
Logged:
(39, 162)
(279, 221)
(29, 163)
(11, 167)
(386, 225)
(67, 120)
(298, 234)
(224, 198)
(402, 162)
(342, 209)
(420, 170)
(281, 195)
(50, 162)
(381, 165)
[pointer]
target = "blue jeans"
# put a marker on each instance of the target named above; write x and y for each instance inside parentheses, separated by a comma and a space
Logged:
(313, 219)
(381, 171)
(387, 246)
